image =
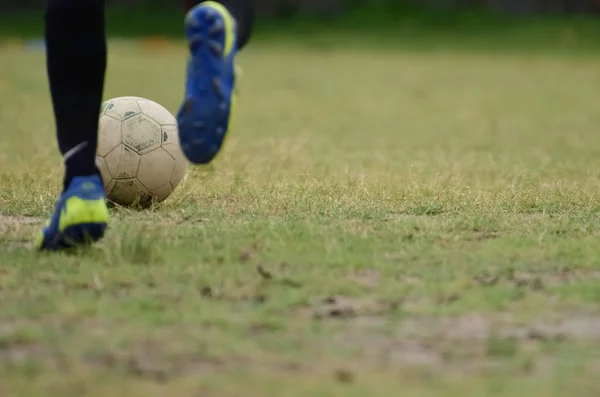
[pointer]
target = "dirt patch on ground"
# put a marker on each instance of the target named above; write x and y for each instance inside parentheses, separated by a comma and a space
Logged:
(536, 280)
(15, 226)
(460, 343)
(149, 360)
(344, 307)
(17, 229)
(18, 220)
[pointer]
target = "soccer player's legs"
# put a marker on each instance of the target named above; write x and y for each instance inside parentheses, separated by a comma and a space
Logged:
(76, 63)
(215, 31)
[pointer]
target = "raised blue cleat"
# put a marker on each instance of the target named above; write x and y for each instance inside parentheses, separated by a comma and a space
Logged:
(209, 92)
(80, 217)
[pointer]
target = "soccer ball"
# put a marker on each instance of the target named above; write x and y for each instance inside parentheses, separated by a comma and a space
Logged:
(138, 151)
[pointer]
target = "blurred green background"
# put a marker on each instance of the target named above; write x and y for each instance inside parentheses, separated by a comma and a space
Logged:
(565, 25)
(274, 7)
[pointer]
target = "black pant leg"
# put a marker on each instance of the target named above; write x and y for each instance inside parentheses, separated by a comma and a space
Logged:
(76, 64)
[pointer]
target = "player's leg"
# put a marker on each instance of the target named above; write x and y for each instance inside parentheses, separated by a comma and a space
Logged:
(76, 63)
(215, 31)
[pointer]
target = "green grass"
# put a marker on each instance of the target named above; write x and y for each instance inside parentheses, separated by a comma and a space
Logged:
(380, 223)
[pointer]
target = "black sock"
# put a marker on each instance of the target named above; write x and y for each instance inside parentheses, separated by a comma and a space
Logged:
(243, 13)
(76, 63)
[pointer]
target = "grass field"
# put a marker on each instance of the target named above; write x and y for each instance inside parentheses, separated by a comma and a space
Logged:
(380, 223)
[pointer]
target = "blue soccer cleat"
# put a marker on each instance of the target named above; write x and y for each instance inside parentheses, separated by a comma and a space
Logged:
(209, 92)
(80, 217)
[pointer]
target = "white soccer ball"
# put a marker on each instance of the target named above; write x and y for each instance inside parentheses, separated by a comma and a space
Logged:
(138, 151)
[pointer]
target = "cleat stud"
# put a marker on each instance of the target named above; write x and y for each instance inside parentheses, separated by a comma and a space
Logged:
(191, 20)
(210, 14)
(217, 27)
(218, 87)
(215, 47)
(195, 39)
